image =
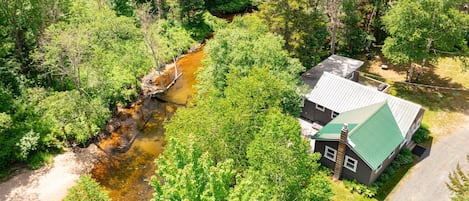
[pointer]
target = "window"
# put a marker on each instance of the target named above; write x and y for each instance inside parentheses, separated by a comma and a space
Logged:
(334, 114)
(379, 167)
(330, 153)
(320, 107)
(350, 163)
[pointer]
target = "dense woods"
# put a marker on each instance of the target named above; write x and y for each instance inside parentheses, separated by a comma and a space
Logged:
(65, 65)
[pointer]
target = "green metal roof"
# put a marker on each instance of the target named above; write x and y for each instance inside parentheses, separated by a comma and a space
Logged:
(373, 132)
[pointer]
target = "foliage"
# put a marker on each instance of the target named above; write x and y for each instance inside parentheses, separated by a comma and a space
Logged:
(28, 143)
(404, 157)
(38, 159)
(351, 36)
(279, 159)
(95, 51)
(249, 75)
(459, 183)
(422, 134)
(123, 7)
(303, 26)
(87, 189)
(226, 6)
(359, 188)
(416, 31)
(22, 24)
(72, 117)
(244, 44)
(187, 173)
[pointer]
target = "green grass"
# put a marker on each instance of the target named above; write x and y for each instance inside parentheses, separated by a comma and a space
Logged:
(343, 194)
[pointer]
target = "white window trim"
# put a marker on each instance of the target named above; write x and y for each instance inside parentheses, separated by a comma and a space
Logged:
(333, 151)
(334, 114)
(320, 107)
(379, 168)
(355, 162)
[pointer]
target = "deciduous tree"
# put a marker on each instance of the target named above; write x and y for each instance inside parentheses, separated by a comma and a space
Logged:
(423, 30)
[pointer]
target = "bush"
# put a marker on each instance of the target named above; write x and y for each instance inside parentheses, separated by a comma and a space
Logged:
(87, 189)
(354, 186)
(39, 159)
(405, 157)
(422, 134)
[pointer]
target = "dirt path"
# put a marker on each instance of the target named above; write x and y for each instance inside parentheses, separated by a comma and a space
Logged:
(50, 183)
(426, 180)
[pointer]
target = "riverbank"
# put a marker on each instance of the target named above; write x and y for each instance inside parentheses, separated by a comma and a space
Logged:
(124, 175)
(51, 182)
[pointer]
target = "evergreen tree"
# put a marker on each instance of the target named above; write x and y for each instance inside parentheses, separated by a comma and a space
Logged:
(459, 183)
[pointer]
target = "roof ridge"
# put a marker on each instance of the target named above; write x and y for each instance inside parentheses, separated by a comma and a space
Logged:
(383, 103)
(370, 89)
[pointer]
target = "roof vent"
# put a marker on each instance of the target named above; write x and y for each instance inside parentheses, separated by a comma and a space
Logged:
(382, 87)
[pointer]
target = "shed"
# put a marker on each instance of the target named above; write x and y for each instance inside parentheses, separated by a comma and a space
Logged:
(338, 65)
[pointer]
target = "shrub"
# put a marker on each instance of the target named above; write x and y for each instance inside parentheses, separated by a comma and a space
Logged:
(87, 189)
(405, 157)
(354, 186)
(422, 134)
(39, 159)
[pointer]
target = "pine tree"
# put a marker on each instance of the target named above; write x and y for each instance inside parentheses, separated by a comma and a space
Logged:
(459, 183)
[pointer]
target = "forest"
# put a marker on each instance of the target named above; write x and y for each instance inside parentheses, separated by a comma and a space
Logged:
(66, 65)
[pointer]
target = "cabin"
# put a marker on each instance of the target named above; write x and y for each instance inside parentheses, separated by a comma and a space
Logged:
(379, 125)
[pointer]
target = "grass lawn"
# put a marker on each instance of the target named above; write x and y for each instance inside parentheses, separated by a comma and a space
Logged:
(445, 109)
(343, 194)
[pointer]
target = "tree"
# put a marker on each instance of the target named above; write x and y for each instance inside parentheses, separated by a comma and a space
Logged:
(279, 158)
(187, 173)
(459, 183)
(25, 21)
(302, 24)
(72, 117)
(423, 30)
(188, 12)
(226, 6)
(95, 52)
(244, 44)
(87, 189)
(351, 35)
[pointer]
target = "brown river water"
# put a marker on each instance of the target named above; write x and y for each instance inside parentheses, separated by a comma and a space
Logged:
(126, 175)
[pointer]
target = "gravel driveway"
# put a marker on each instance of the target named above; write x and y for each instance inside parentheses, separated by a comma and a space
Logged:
(426, 180)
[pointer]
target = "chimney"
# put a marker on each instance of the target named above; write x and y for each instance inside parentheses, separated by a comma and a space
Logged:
(339, 161)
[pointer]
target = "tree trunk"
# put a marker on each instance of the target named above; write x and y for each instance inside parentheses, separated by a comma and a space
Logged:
(287, 26)
(370, 22)
(335, 11)
(159, 8)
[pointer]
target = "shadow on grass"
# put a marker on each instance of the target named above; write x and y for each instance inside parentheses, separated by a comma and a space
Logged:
(394, 180)
(433, 99)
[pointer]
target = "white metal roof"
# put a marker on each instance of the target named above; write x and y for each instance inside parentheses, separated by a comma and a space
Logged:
(341, 95)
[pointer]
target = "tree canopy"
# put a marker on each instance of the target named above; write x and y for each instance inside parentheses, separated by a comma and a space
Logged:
(422, 30)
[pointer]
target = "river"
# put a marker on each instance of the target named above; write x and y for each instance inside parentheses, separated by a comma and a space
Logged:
(126, 175)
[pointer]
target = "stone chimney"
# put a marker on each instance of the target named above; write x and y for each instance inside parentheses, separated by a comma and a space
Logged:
(339, 161)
